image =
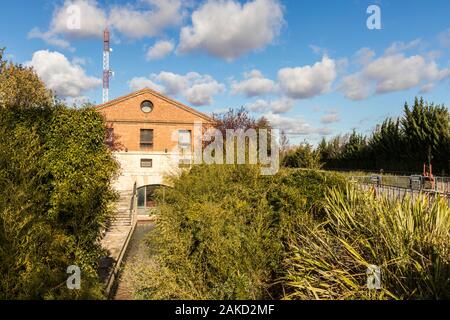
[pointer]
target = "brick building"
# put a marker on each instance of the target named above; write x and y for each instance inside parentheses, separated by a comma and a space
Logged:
(156, 135)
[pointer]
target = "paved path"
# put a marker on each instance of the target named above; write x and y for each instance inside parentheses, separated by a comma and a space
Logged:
(116, 238)
(137, 251)
(114, 241)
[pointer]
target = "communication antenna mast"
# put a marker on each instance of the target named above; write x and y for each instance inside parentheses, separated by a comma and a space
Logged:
(107, 73)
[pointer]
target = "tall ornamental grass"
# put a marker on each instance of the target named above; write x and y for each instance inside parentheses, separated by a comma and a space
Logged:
(409, 241)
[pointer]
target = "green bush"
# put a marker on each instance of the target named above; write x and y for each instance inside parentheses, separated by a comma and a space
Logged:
(225, 232)
(55, 174)
(55, 187)
(304, 156)
(408, 240)
(222, 232)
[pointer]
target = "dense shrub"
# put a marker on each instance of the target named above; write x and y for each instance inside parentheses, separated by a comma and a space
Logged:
(303, 156)
(55, 174)
(54, 194)
(409, 241)
(225, 232)
(222, 232)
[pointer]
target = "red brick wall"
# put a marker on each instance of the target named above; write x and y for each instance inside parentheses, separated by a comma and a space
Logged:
(126, 117)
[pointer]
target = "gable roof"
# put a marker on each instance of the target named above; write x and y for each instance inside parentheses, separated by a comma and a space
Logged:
(159, 95)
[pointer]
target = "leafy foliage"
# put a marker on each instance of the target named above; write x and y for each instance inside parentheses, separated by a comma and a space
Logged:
(397, 144)
(225, 232)
(238, 119)
(20, 87)
(222, 232)
(55, 173)
(408, 240)
(304, 156)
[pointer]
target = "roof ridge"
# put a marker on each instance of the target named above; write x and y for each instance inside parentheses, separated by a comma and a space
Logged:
(159, 94)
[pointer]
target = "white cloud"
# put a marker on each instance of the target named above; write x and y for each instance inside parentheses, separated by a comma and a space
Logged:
(294, 125)
(174, 83)
(330, 117)
(392, 72)
(255, 84)
(364, 55)
(427, 88)
(355, 87)
(160, 49)
(308, 81)
(77, 100)
(129, 20)
(318, 50)
(276, 106)
(397, 72)
(50, 38)
(136, 23)
(139, 83)
(400, 46)
(92, 21)
(201, 94)
(66, 79)
(197, 89)
(228, 29)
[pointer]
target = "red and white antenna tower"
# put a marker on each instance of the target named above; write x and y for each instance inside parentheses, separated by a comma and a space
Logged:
(107, 73)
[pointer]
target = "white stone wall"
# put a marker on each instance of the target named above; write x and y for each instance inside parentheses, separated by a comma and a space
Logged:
(130, 162)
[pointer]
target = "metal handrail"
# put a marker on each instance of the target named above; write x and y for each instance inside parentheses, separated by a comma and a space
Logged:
(133, 204)
(116, 268)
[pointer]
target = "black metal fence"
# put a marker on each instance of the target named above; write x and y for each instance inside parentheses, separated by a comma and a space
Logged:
(400, 187)
(415, 182)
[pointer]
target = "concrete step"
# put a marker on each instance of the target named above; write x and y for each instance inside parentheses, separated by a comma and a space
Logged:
(118, 225)
(121, 217)
(121, 220)
(122, 214)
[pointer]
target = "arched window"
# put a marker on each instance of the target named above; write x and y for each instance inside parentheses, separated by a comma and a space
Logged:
(146, 196)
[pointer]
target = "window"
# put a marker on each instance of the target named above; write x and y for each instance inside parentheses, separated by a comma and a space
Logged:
(146, 163)
(110, 137)
(146, 196)
(146, 138)
(184, 140)
(146, 106)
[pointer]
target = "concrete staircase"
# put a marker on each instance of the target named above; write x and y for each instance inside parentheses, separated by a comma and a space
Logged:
(122, 216)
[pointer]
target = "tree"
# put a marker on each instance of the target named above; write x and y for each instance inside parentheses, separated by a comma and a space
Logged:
(20, 87)
(55, 190)
(402, 144)
(240, 119)
(426, 126)
(304, 156)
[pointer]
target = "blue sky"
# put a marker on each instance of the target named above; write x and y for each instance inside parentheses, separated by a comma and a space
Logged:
(311, 67)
